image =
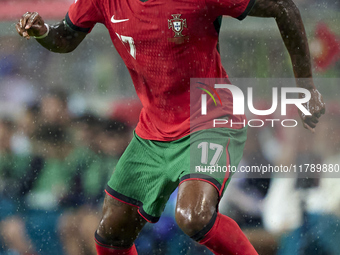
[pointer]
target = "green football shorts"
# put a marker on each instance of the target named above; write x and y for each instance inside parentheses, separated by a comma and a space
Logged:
(149, 171)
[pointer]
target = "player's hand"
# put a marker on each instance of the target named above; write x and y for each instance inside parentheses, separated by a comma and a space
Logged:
(316, 107)
(31, 24)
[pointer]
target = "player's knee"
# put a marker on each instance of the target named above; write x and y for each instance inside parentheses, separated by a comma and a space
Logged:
(120, 224)
(108, 233)
(104, 229)
(191, 220)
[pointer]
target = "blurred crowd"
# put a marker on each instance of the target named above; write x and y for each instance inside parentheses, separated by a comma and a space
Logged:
(53, 170)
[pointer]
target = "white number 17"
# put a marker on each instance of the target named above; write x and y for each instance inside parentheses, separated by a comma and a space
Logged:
(213, 146)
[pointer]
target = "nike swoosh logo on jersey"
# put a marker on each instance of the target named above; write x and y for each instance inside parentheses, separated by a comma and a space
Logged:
(113, 20)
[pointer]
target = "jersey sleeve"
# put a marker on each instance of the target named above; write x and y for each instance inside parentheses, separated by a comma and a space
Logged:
(235, 8)
(83, 15)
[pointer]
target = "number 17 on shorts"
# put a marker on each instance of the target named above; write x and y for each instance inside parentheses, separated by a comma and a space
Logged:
(216, 153)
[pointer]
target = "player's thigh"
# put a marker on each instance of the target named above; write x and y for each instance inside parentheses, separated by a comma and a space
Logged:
(145, 176)
(120, 223)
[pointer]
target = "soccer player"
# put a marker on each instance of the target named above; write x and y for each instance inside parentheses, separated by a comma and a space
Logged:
(164, 43)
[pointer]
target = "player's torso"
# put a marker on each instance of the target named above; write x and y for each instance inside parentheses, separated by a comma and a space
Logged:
(162, 39)
(164, 43)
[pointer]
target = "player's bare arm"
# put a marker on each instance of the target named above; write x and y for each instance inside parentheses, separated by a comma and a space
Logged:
(60, 37)
(293, 33)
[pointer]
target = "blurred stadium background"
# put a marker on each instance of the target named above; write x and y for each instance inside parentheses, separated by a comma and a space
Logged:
(65, 120)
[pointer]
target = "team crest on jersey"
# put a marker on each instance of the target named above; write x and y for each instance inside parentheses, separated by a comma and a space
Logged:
(177, 24)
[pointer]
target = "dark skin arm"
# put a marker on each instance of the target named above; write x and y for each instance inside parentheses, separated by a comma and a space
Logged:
(293, 34)
(61, 38)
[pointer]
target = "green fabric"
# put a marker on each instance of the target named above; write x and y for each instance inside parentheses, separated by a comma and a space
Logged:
(94, 171)
(13, 166)
(12, 175)
(149, 171)
(57, 174)
(55, 177)
(97, 174)
(55, 181)
(212, 139)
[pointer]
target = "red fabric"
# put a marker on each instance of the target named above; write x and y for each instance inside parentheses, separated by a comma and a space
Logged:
(85, 14)
(160, 62)
(126, 110)
(330, 44)
(101, 250)
(233, 8)
(226, 238)
(226, 176)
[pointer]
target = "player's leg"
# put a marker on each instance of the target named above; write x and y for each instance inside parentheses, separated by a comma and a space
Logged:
(118, 228)
(200, 191)
(133, 197)
(196, 214)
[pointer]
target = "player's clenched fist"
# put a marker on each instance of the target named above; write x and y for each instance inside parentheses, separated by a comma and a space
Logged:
(31, 24)
(316, 107)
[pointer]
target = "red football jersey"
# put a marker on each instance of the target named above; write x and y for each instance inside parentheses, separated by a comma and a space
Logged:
(164, 43)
